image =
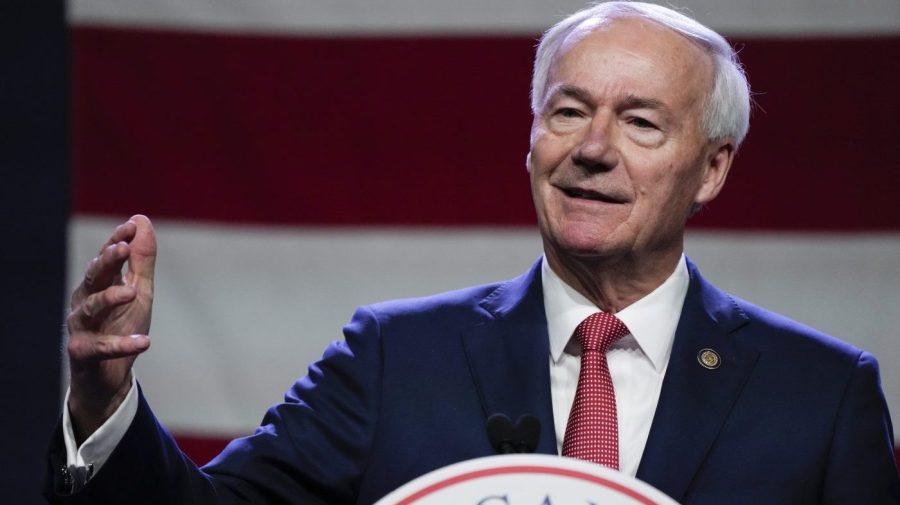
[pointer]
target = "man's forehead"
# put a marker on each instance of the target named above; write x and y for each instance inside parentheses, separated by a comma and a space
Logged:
(656, 53)
(585, 28)
(638, 27)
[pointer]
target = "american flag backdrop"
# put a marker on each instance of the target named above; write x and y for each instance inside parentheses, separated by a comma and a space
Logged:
(303, 157)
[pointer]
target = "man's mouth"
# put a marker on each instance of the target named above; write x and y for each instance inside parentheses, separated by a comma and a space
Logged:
(587, 194)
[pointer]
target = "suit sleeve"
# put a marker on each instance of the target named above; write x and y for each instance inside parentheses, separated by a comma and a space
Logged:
(310, 449)
(861, 466)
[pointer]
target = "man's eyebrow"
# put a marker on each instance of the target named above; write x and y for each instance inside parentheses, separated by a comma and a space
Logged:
(636, 102)
(630, 101)
(575, 92)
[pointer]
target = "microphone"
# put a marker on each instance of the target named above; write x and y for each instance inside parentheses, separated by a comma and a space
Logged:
(501, 433)
(528, 432)
(507, 438)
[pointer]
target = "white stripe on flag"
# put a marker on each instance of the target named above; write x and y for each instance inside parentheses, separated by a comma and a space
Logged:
(241, 311)
(762, 17)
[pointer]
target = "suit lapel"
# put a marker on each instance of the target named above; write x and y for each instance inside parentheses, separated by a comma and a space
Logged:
(695, 401)
(508, 354)
(508, 357)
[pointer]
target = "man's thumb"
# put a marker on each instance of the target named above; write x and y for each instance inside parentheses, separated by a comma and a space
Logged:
(143, 248)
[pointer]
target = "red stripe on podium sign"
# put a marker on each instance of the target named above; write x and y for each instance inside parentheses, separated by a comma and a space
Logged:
(530, 469)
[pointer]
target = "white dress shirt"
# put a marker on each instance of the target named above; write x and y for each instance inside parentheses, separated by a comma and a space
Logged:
(97, 448)
(637, 362)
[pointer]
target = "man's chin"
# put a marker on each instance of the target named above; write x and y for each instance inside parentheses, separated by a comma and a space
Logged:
(584, 246)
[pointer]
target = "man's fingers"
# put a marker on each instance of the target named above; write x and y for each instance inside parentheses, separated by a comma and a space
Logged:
(133, 241)
(105, 269)
(89, 348)
(95, 307)
(123, 233)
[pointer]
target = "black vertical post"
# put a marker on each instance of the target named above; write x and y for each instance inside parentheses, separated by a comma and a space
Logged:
(34, 203)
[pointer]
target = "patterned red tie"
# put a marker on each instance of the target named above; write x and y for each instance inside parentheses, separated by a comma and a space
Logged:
(593, 430)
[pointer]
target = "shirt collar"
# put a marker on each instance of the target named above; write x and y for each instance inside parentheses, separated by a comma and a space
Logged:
(652, 319)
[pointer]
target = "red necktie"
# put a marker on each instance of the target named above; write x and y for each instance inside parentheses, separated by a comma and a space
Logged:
(593, 430)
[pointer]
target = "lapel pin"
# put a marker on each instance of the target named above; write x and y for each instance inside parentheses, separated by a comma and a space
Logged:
(709, 359)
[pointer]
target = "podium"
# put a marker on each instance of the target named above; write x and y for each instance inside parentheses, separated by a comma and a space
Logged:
(525, 479)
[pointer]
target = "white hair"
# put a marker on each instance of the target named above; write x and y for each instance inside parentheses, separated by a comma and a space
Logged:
(727, 107)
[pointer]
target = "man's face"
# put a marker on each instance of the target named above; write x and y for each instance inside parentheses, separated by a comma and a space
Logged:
(618, 156)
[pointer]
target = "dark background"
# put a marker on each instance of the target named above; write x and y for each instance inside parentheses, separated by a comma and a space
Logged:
(34, 202)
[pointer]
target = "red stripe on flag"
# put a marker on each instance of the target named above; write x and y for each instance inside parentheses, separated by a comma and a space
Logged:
(203, 449)
(434, 131)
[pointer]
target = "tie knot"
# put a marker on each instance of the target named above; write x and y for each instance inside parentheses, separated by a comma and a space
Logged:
(598, 331)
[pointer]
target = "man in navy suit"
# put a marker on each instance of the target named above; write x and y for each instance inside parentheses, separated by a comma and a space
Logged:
(638, 113)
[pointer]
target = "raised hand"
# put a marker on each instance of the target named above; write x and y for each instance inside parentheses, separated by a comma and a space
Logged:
(109, 324)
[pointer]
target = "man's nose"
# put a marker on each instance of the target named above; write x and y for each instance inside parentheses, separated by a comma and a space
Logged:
(597, 151)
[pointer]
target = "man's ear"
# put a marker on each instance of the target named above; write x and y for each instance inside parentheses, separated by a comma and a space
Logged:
(715, 170)
(528, 162)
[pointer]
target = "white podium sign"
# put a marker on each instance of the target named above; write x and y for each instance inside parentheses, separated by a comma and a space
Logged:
(525, 479)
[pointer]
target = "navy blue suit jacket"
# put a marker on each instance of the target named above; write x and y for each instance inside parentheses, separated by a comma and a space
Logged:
(791, 416)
